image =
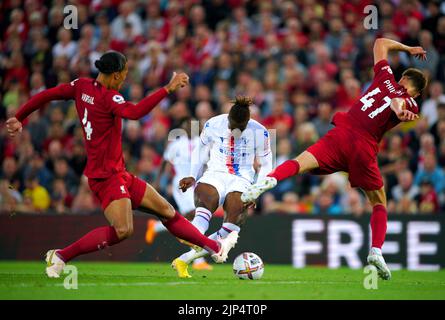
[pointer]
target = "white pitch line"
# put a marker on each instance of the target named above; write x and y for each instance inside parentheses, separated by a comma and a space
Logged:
(146, 284)
(142, 284)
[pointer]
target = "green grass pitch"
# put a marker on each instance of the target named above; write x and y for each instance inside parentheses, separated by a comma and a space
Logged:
(26, 280)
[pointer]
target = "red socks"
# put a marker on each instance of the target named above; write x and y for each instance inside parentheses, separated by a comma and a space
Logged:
(378, 225)
(94, 240)
(182, 228)
(285, 170)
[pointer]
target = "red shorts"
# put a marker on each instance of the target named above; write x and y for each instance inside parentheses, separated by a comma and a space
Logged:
(342, 149)
(121, 185)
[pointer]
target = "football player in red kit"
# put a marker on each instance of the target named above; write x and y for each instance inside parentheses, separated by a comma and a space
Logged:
(101, 109)
(352, 146)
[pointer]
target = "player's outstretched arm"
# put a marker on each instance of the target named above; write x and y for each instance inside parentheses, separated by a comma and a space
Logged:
(398, 105)
(130, 111)
(383, 45)
(265, 163)
(64, 91)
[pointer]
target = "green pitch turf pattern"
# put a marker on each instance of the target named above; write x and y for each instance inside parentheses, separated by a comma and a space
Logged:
(26, 280)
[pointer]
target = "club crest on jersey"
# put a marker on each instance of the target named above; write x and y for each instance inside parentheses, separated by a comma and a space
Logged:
(88, 99)
(118, 99)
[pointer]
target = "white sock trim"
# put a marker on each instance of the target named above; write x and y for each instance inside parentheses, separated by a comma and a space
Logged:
(202, 219)
(229, 227)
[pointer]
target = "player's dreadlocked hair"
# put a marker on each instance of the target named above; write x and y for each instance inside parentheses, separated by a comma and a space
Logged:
(240, 111)
(416, 77)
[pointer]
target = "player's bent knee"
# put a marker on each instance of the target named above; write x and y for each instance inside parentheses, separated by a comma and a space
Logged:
(167, 211)
(124, 232)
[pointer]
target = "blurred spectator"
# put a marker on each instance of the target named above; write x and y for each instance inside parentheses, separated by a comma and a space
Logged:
(66, 46)
(10, 172)
(428, 200)
(127, 17)
(323, 120)
(37, 196)
(84, 202)
(63, 171)
(432, 173)
(353, 203)
(9, 197)
(405, 187)
(60, 198)
(429, 106)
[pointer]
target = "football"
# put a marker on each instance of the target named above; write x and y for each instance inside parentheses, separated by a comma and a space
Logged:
(248, 266)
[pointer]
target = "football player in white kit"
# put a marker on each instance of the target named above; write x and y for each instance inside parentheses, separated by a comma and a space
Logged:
(228, 145)
(178, 154)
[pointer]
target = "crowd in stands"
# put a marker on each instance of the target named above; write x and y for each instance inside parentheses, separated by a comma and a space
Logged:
(301, 61)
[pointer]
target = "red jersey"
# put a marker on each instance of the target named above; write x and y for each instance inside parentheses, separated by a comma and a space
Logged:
(100, 111)
(372, 115)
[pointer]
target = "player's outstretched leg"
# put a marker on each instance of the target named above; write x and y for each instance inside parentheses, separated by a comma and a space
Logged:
(301, 164)
(118, 213)
(236, 215)
(378, 230)
(180, 227)
(207, 201)
(155, 227)
(187, 258)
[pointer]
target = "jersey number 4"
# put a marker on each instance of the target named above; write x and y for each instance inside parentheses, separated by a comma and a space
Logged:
(368, 101)
(87, 125)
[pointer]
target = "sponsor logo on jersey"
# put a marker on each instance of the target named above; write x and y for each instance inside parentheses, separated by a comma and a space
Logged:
(118, 99)
(123, 190)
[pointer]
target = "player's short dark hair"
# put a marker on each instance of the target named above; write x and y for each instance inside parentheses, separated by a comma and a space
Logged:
(240, 111)
(416, 77)
(110, 62)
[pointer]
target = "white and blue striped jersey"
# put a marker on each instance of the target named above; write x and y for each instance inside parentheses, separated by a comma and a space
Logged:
(232, 153)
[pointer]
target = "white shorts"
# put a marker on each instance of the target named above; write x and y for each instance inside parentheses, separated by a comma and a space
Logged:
(224, 183)
(184, 200)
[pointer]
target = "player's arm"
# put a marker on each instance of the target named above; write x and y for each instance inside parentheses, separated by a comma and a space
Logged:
(128, 110)
(265, 163)
(382, 46)
(165, 167)
(263, 153)
(200, 156)
(65, 91)
(398, 105)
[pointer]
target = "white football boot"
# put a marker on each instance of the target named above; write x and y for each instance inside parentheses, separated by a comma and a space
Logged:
(54, 264)
(375, 258)
(254, 191)
(226, 245)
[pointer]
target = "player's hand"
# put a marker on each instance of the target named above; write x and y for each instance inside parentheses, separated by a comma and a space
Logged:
(186, 183)
(13, 126)
(406, 115)
(418, 52)
(177, 81)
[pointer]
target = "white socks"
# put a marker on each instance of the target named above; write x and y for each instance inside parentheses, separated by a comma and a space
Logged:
(202, 219)
(159, 227)
(376, 250)
(226, 228)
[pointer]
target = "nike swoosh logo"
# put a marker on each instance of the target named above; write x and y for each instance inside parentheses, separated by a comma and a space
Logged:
(49, 263)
